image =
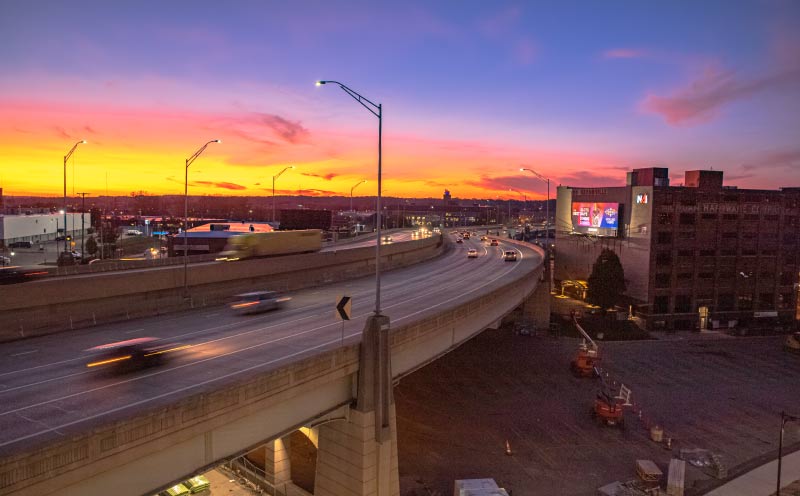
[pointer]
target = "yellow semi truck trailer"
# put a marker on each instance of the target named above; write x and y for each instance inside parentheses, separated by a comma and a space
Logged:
(265, 244)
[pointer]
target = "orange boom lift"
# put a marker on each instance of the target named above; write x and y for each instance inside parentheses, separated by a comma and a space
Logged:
(588, 356)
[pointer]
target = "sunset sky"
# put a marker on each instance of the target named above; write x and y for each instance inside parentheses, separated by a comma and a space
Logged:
(472, 90)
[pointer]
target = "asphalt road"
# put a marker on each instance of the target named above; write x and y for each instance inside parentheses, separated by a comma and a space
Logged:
(46, 390)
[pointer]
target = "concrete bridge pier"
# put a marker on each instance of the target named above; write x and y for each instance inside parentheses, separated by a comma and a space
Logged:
(358, 457)
(277, 463)
(536, 307)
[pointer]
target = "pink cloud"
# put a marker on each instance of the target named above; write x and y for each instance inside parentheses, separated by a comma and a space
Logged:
(702, 99)
(623, 53)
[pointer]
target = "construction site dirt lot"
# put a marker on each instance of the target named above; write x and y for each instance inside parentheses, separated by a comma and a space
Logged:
(721, 394)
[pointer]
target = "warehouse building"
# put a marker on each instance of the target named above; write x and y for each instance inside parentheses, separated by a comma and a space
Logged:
(699, 256)
(38, 228)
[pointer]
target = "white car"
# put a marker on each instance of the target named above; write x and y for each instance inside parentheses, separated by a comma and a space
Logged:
(472, 253)
(510, 256)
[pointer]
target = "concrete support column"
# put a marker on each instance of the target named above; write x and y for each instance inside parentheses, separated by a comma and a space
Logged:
(351, 462)
(277, 464)
(537, 306)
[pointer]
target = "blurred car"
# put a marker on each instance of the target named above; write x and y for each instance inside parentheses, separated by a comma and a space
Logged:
(484, 238)
(258, 301)
(132, 354)
(14, 274)
(494, 242)
(472, 253)
(510, 256)
(387, 239)
(459, 240)
(5, 260)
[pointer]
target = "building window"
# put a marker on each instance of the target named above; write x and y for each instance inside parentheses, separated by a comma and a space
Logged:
(749, 252)
(787, 276)
(683, 304)
(685, 276)
(769, 253)
(709, 216)
(664, 219)
(662, 280)
(685, 253)
(727, 252)
(766, 301)
(688, 200)
(661, 304)
(686, 235)
(730, 235)
(772, 218)
(745, 302)
(707, 253)
(785, 301)
(751, 217)
(729, 216)
(664, 238)
(687, 219)
(725, 302)
(663, 258)
(706, 275)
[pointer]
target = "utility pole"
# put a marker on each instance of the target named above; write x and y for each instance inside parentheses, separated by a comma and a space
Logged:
(83, 231)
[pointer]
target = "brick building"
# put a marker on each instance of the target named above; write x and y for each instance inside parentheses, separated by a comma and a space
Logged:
(697, 256)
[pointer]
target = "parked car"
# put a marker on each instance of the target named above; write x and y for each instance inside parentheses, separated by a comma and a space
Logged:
(258, 301)
(510, 256)
(21, 244)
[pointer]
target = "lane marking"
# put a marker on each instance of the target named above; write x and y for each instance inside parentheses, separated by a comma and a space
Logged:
(134, 330)
(24, 353)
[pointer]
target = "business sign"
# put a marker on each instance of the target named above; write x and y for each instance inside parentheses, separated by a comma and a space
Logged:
(641, 199)
(595, 215)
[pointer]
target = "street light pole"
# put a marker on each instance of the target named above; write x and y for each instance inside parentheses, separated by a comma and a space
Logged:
(785, 417)
(276, 176)
(547, 205)
(375, 109)
(186, 214)
(83, 210)
(351, 192)
(66, 157)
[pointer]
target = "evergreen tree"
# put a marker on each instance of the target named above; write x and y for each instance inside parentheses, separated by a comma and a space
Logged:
(607, 281)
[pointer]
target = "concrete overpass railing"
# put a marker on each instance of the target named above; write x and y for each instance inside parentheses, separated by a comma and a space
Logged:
(81, 301)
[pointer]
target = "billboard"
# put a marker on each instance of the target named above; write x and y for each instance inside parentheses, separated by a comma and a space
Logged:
(596, 214)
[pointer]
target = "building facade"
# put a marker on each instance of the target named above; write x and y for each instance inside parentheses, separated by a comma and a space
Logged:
(697, 256)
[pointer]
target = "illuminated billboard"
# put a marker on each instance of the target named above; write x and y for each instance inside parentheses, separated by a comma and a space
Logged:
(597, 215)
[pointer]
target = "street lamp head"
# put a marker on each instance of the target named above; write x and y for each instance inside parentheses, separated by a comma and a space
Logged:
(83, 141)
(522, 169)
(216, 141)
(320, 83)
(61, 212)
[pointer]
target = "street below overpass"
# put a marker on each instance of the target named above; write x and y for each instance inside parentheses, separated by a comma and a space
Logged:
(47, 392)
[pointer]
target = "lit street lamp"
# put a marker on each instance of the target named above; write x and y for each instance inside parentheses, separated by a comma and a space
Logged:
(785, 417)
(377, 111)
(351, 192)
(186, 213)
(66, 157)
(375, 380)
(276, 176)
(547, 205)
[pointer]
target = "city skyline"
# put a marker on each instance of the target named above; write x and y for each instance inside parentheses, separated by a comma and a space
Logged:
(470, 95)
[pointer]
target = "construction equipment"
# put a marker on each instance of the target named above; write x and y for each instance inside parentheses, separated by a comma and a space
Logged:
(587, 359)
(607, 408)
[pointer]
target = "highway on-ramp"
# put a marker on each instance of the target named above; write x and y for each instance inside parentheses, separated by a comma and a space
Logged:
(47, 391)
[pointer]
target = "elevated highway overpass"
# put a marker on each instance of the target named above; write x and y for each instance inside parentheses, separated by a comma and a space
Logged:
(244, 382)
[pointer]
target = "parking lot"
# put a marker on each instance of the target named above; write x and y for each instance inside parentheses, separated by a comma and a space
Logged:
(716, 393)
